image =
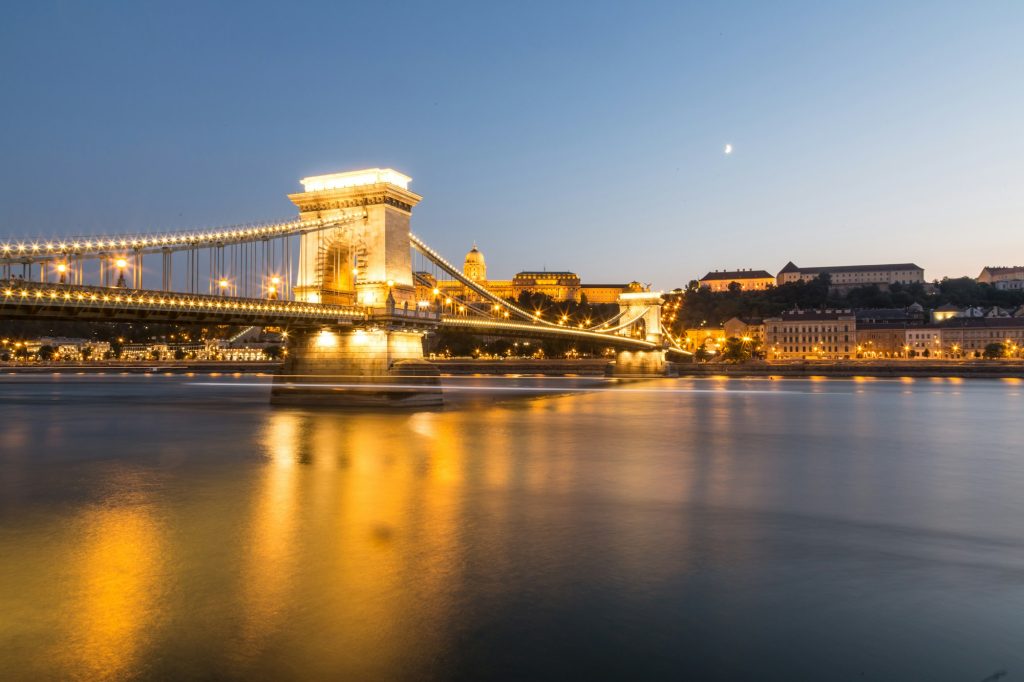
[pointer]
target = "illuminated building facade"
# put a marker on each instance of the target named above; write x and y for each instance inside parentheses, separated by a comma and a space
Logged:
(559, 285)
(747, 280)
(850, 276)
(1008, 278)
(830, 334)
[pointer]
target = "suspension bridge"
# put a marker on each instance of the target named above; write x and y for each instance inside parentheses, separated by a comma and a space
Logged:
(348, 279)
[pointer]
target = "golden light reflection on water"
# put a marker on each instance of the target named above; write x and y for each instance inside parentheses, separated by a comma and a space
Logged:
(119, 582)
(269, 562)
(350, 541)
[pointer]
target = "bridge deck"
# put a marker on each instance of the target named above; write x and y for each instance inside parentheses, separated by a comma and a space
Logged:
(497, 328)
(32, 300)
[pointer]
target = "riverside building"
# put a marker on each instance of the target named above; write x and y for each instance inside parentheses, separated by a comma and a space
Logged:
(811, 334)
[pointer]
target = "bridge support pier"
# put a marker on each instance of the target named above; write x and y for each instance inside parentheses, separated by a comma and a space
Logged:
(641, 363)
(357, 368)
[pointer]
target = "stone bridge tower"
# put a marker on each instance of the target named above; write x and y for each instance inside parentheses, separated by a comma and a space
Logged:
(646, 307)
(368, 257)
(366, 261)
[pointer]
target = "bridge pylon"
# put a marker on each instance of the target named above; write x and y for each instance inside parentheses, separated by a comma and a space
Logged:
(645, 308)
(364, 260)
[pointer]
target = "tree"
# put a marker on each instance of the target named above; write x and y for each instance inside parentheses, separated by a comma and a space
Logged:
(702, 354)
(155, 353)
(86, 352)
(179, 353)
(272, 352)
(995, 350)
(46, 353)
(739, 350)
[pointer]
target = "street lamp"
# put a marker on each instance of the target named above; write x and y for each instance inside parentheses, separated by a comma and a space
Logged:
(121, 264)
(223, 284)
(272, 289)
(62, 270)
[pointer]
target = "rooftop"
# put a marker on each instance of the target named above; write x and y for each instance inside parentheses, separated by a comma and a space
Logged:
(545, 273)
(737, 274)
(1004, 269)
(859, 268)
(368, 176)
(975, 322)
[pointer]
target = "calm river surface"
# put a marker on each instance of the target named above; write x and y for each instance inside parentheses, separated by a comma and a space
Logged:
(159, 527)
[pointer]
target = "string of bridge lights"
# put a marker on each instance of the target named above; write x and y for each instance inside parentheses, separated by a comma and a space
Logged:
(50, 295)
(172, 240)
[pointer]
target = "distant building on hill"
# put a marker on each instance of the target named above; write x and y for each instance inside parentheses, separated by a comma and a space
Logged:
(845, 277)
(560, 285)
(1006, 278)
(748, 280)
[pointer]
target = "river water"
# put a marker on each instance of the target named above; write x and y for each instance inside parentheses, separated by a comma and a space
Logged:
(178, 527)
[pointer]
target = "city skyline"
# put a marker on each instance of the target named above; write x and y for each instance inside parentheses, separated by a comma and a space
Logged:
(878, 135)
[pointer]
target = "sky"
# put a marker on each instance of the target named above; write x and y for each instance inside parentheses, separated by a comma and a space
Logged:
(586, 136)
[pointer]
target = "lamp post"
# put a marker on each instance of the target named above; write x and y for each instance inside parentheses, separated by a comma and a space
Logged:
(62, 270)
(272, 289)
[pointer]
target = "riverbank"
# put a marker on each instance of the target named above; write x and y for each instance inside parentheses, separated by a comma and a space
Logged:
(981, 369)
(142, 368)
(581, 367)
(553, 367)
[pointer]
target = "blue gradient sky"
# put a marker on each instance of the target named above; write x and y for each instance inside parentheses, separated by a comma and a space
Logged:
(585, 135)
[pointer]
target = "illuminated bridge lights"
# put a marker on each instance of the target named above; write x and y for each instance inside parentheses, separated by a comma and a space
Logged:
(175, 240)
(60, 297)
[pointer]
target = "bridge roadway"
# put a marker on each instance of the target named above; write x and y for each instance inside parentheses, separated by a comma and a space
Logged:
(21, 300)
(535, 331)
(36, 301)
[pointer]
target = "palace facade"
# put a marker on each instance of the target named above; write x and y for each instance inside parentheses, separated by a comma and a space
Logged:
(560, 285)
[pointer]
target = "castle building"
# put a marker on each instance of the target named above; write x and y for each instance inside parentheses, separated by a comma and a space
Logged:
(748, 280)
(560, 285)
(850, 276)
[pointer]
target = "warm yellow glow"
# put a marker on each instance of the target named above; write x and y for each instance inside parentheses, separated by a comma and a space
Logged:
(326, 339)
(121, 263)
(275, 280)
(62, 268)
(391, 283)
(369, 176)
(223, 284)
